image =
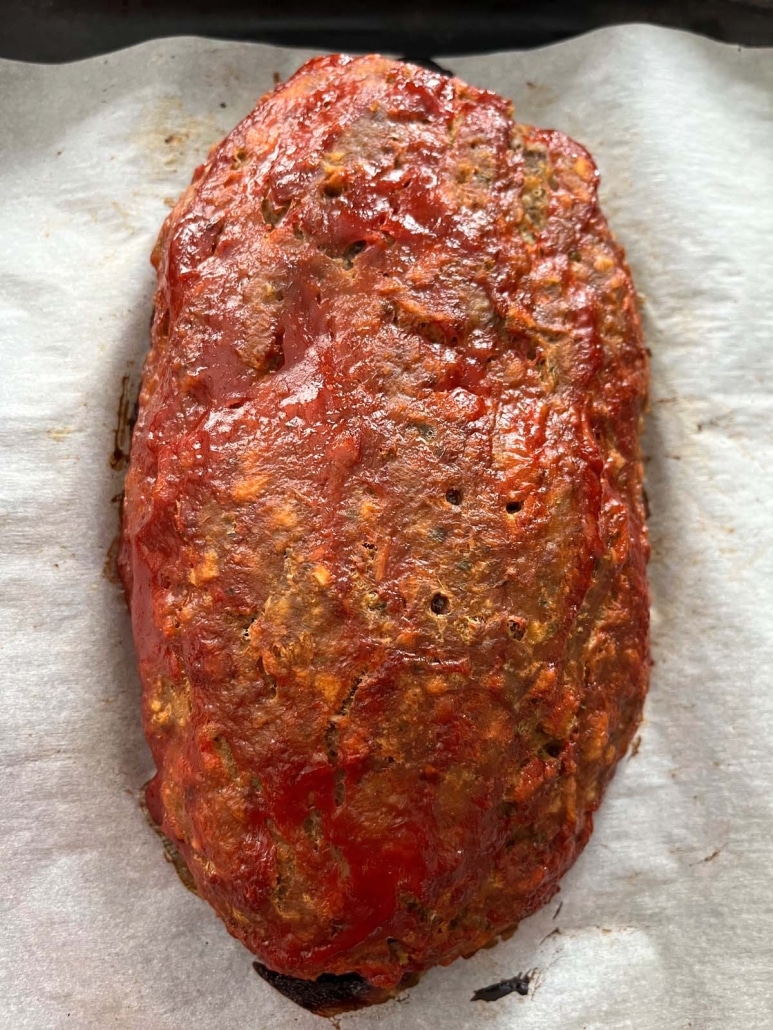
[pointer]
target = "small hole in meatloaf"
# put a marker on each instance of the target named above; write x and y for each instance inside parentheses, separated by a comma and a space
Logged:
(351, 253)
(389, 312)
(272, 215)
(439, 604)
(554, 748)
(334, 185)
(454, 496)
(426, 432)
(312, 828)
(535, 354)
(516, 627)
(512, 507)
(275, 361)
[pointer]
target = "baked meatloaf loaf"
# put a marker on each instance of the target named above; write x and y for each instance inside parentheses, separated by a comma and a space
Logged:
(384, 540)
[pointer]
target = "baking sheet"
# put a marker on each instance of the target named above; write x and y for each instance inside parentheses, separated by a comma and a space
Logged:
(666, 921)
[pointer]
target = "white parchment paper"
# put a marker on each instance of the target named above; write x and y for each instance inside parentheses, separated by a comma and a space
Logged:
(666, 922)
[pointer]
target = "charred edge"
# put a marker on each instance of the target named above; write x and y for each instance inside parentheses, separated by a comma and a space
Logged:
(330, 995)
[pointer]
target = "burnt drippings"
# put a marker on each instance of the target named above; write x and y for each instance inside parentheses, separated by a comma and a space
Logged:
(171, 854)
(126, 416)
(110, 566)
(518, 984)
(329, 995)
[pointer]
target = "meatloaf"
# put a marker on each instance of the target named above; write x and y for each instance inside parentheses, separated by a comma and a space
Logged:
(384, 541)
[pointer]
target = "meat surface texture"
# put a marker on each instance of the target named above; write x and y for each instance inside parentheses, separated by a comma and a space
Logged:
(384, 539)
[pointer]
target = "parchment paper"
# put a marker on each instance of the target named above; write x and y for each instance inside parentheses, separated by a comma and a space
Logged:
(667, 919)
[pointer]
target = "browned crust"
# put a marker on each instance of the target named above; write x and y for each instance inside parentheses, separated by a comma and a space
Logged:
(384, 536)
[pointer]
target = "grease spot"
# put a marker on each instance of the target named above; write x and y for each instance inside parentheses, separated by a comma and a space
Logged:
(58, 433)
(174, 138)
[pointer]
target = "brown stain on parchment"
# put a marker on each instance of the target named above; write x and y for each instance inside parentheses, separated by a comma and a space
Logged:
(110, 568)
(126, 416)
(541, 91)
(58, 433)
(118, 459)
(710, 858)
(176, 140)
(123, 217)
